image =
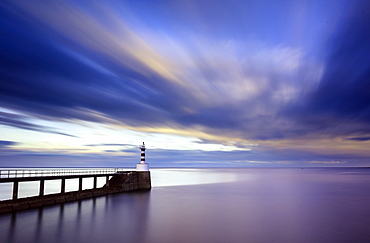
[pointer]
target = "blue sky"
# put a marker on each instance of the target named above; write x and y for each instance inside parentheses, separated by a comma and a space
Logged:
(203, 83)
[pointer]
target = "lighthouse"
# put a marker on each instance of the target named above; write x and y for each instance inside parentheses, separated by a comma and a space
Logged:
(142, 166)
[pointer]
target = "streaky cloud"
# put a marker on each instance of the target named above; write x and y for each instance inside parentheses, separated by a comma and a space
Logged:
(359, 138)
(18, 121)
(4, 143)
(110, 144)
(340, 106)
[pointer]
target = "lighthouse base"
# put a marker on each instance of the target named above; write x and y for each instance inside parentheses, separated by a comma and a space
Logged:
(142, 167)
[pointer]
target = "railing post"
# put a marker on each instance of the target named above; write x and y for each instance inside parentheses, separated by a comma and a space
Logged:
(42, 187)
(80, 184)
(63, 186)
(107, 180)
(15, 190)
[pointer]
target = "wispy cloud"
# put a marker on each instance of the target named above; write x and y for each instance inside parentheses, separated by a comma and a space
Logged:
(19, 121)
(4, 143)
(359, 138)
(112, 144)
(328, 162)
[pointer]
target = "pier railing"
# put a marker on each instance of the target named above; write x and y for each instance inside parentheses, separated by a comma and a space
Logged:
(56, 172)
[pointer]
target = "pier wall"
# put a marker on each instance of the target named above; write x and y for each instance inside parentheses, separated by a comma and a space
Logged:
(120, 182)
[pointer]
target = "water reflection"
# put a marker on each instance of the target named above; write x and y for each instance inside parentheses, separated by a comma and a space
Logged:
(255, 205)
(183, 177)
(10, 230)
(107, 218)
(60, 222)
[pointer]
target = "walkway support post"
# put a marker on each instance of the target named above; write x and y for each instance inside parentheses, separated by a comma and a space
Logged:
(42, 187)
(80, 184)
(63, 186)
(95, 181)
(15, 190)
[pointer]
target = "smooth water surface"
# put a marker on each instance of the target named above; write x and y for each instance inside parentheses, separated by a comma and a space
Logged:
(212, 205)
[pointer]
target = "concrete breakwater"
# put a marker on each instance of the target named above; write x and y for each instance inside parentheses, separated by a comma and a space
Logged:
(120, 182)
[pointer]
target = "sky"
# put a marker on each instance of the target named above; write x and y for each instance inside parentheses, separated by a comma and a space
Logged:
(203, 83)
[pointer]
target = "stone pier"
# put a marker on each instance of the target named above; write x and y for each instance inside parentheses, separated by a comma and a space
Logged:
(119, 182)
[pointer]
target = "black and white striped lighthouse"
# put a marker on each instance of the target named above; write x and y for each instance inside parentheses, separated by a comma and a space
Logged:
(142, 166)
(142, 148)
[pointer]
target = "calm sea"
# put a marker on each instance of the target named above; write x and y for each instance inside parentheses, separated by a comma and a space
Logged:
(212, 205)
